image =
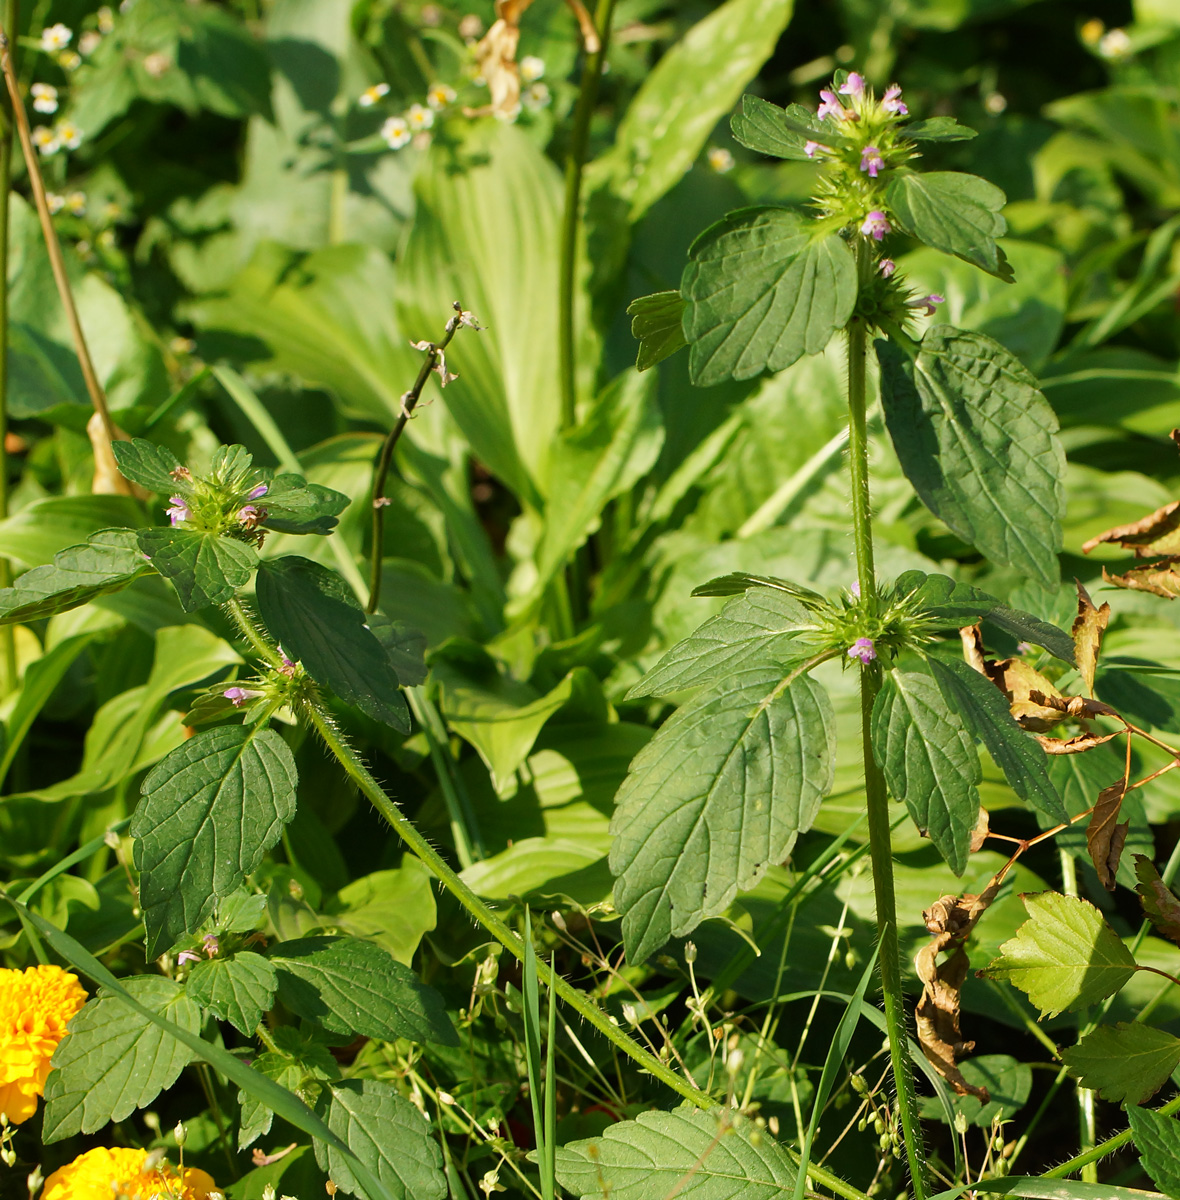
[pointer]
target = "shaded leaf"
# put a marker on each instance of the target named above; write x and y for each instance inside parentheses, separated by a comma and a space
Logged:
(1124, 1063)
(719, 794)
(1065, 956)
(1088, 628)
(1006, 1080)
(292, 505)
(237, 989)
(149, 465)
(763, 287)
(405, 646)
(1159, 901)
(205, 568)
(114, 1061)
(656, 323)
(313, 614)
(1027, 628)
(209, 812)
(939, 129)
(940, 598)
(1158, 1140)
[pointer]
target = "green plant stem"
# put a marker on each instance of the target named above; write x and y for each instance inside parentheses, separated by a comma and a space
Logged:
(406, 830)
(1080, 1161)
(571, 214)
(877, 799)
(8, 636)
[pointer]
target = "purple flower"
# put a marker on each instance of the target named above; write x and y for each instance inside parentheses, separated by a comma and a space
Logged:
(863, 649)
(887, 266)
(855, 589)
(248, 515)
(259, 492)
(187, 956)
(211, 946)
(876, 225)
(810, 148)
(830, 105)
(178, 510)
(871, 160)
(927, 303)
(891, 102)
(238, 696)
(854, 86)
(286, 666)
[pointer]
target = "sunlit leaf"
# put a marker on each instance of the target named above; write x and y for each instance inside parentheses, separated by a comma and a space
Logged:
(237, 989)
(205, 568)
(147, 464)
(1126, 1063)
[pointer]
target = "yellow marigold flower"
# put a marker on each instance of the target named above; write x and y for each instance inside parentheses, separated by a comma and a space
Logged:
(101, 1173)
(35, 1006)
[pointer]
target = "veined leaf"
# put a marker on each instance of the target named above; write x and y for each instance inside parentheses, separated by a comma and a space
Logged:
(649, 1156)
(763, 287)
(205, 568)
(149, 465)
(1126, 1063)
(944, 599)
(209, 812)
(953, 212)
(939, 129)
(781, 132)
(1027, 628)
(352, 986)
(1160, 903)
(1065, 956)
(656, 324)
(114, 1061)
(387, 1133)
(754, 628)
(930, 761)
(718, 795)
(293, 505)
(107, 562)
(405, 646)
(984, 711)
(237, 989)
(313, 614)
(1158, 1140)
(978, 442)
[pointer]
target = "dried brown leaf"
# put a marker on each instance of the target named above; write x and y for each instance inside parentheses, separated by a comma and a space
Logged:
(108, 481)
(1158, 533)
(1159, 578)
(1105, 837)
(980, 832)
(1159, 901)
(1078, 744)
(973, 648)
(1029, 694)
(1088, 628)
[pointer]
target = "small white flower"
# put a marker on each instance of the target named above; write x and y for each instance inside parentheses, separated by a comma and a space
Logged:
(106, 19)
(182, 345)
(45, 141)
(440, 95)
(44, 97)
(1115, 45)
(68, 134)
(720, 159)
(56, 37)
(371, 95)
(420, 117)
(54, 202)
(470, 27)
(995, 102)
(76, 203)
(156, 64)
(531, 68)
(535, 97)
(396, 133)
(89, 42)
(68, 60)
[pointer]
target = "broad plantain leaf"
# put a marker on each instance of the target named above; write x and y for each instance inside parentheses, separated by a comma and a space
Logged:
(763, 287)
(149, 465)
(929, 760)
(650, 1156)
(114, 1061)
(1158, 1140)
(209, 812)
(753, 629)
(953, 212)
(107, 562)
(656, 324)
(293, 505)
(237, 989)
(978, 442)
(1065, 956)
(1126, 1063)
(718, 795)
(314, 616)
(205, 568)
(387, 1133)
(352, 986)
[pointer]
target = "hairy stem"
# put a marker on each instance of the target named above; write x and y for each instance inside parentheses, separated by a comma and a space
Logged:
(7, 635)
(880, 842)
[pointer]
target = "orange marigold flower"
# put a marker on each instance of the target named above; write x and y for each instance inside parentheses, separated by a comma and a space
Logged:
(100, 1174)
(35, 1006)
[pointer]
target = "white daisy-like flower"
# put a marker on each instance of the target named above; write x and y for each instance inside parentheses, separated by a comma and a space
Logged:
(76, 203)
(1115, 44)
(68, 134)
(396, 132)
(531, 68)
(44, 97)
(89, 42)
(535, 96)
(69, 60)
(45, 141)
(54, 203)
(56, 37)
(370, 96)
(720, 159)
(106, 19)
(420, 117)
(440, 95)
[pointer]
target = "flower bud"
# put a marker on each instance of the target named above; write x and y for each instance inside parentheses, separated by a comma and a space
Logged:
(180, 1133)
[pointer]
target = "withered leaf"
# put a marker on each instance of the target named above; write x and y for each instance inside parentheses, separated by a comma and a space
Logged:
(973, 656)
(1105, 838)
(1075, 745)
(1159, 901)
(1087, 631)
(980, 832)
(1159, 578)
(1029, 693)
(950, 921)
(1158, 533)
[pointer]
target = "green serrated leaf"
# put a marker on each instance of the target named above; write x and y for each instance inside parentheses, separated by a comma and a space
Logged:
(978, 442)
(929, 760)
(107, 562)
(1065, 956)
(953, 212)
(738, 582)
(387, 1133)
(779, 132)
(1160, 903)
(939, 129)
(254, 1117)
(650, 1156)
(405, 646)
(982, 708)
(763, 287)
(1126, 1063)
(205, 568)
(209, 812)
(149, 465)
(295, 506)
(313, 614)
(1158, 1140)
(352, 986)
(237, 989)
(656, 324)
(114, 1061)
(943, 599)
(1026, 628)
(753, 629)
(718, 795)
